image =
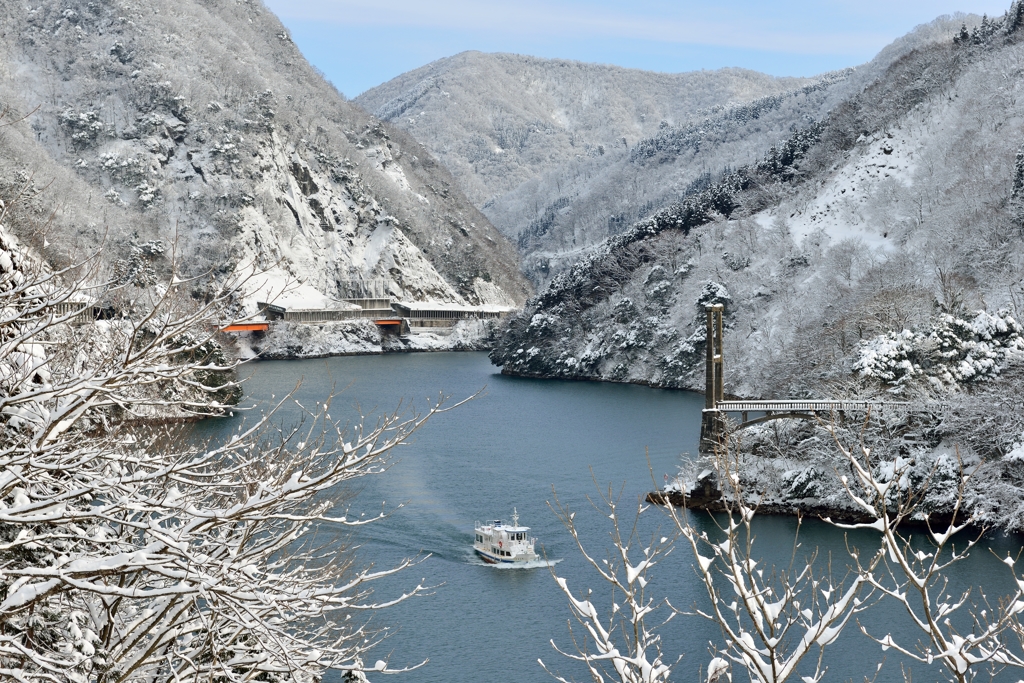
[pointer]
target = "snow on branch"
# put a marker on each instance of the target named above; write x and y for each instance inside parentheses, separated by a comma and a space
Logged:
(130, 553)
(970, 637)
(622, 644)
(772, 619)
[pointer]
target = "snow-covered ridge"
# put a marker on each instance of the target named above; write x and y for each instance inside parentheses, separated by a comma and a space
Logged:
(718, 119)
(544, 147)
(198, 125)
(901, 211)
(514, 117)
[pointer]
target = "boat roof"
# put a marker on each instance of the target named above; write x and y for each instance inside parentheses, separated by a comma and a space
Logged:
(498, 524)
(514, 526)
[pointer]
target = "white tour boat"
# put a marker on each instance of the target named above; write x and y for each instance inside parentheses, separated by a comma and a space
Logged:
(498, 543)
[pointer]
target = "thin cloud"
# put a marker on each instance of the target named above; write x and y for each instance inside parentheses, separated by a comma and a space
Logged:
(710, 26)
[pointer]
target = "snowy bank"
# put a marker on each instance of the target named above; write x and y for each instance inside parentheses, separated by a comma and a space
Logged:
(796, 467)
(288, 340)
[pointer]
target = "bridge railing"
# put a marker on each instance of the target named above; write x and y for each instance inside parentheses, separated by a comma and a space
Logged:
(714, 426)
(788, 406)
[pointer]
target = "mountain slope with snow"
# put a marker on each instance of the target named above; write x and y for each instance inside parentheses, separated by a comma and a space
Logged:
(498, 120)
(199, 124)
(545, 148)
(901, 206)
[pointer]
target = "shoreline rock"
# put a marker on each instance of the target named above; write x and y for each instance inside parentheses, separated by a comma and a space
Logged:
(712, 504)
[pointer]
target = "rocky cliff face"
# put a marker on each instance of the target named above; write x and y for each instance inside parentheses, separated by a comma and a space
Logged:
(199, 124)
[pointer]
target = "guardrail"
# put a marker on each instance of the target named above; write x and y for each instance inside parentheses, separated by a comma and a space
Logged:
(786, 406)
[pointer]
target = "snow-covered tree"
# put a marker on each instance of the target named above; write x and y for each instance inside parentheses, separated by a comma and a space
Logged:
(971, 637)
(777, 623)
(622, 644)
(133, 554)
(771, 618)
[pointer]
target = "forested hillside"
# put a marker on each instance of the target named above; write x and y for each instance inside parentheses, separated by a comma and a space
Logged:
(876, 252)
(196, 128)
(543, 147)
(863, 245)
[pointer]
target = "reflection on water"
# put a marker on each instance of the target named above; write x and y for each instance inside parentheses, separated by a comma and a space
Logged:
(518, 445)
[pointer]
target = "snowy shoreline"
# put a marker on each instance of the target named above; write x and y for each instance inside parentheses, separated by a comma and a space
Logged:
(302, 341)
(608, 380)
(810, 508)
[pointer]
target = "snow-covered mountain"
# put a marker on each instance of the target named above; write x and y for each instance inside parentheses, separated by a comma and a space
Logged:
(862, 246)
(199, 124)
(499, 120)
(547, 148)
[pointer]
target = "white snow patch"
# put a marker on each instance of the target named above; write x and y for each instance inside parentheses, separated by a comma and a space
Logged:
(375, 245)
(1016, 453)
(282, 289)
(393, 171)
(840, 207)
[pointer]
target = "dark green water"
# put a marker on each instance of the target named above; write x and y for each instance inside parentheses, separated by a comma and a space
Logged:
(511, 447)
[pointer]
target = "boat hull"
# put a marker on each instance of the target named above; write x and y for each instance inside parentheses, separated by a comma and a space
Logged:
(491, 559)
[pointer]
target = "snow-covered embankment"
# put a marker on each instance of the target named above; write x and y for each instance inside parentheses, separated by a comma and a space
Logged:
(288, 340)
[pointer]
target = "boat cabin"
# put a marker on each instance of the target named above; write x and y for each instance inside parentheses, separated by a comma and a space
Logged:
(496, 541)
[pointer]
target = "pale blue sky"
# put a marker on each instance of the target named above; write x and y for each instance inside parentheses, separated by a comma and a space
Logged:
(361, 43)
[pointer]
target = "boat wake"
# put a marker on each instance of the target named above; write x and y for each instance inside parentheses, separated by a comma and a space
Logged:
(532, 564)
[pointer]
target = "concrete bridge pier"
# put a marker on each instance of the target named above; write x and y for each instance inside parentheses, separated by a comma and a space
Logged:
(712, 427)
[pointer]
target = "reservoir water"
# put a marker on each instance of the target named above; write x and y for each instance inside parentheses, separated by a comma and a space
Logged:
(519, 444)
